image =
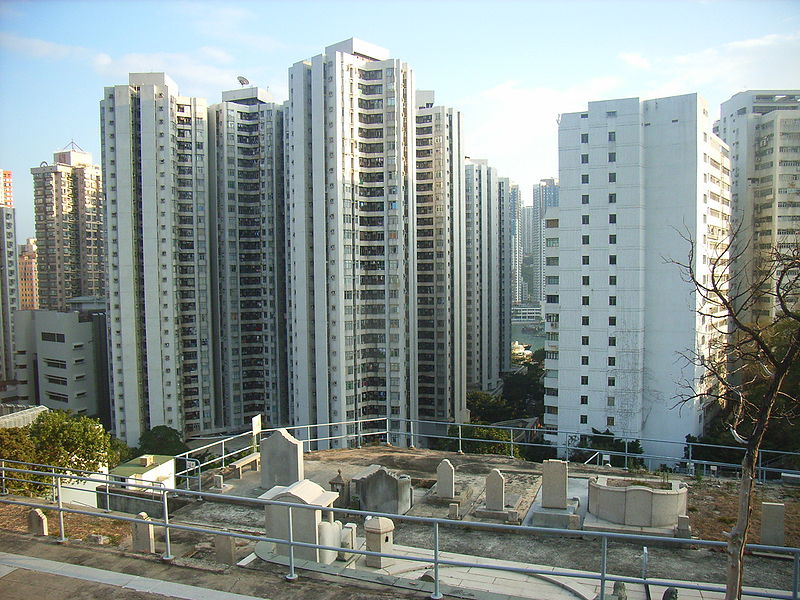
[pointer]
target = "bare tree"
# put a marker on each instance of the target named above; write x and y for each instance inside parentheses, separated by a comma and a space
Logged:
(754, 342)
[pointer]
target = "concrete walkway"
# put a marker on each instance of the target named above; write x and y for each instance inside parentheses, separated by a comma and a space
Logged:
(11, 562)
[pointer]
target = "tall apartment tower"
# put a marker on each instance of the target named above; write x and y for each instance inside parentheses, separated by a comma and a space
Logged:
(155, 165)
(350, 237)
(68, 204)
(440, 310)
(515, 225)
(762, 128)
(9, 300)
(28, 276)
(246, 250)
(488, 275)
(635, 177)
(545, 196)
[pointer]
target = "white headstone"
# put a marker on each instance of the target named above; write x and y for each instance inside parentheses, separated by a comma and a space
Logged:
(255, 422)
(281, 460)
(143, 535)
(495, 490)
(37, 522)
(772, 523)
(453, 511)
(554, 484)
(348, 541)
(379, 532)
(445, 480)
(218, 482)
(329, 535)
(225, 549)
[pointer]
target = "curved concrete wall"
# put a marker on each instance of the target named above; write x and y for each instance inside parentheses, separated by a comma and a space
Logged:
(637, 505)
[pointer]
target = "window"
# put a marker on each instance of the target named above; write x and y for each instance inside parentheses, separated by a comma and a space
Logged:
(584, 219)
(584, 380)
(612, 381)
(611, 113)
(610, 421)
(612, 136)
(585, 199)
(48, 336)
(612, 341)
(584, 159)
(584, 360)
(612, 280)
(585, 259)
(612, 361)
(584, 399)
(612, 218)
(611, 401)
(612, 177)
(585, 300)
(584, 419)
(612, 321)
(612, 238)
(584, 340)
(612, 300)
(584, 320)
(585, 240)
(612, 259)
(612, 157)
(585, 280)
(552, 298)
(551, 242)
(551, 223)
(585, 178)
(612, 198)
(584, 138)
(551, 280)
(551, 261)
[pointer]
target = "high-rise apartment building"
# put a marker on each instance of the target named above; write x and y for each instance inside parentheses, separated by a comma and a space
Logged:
(440, 258)
(635, 178)
(515, 233)
(488, 275)
(545, 196)
(155, 162)
(246, 252)
(28, 276)
(350, 236)
(762, 128)
(9, 300)
(68, 204)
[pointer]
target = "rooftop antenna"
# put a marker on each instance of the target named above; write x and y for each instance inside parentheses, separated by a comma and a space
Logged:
(243, 80)
(73, 146)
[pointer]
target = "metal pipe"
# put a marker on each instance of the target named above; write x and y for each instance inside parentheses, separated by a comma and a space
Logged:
(460, 450)
(437, 592)
(291, 576)
(61, 537)
(168, 548)
(3, 490)
(603, 564)
(796, 577)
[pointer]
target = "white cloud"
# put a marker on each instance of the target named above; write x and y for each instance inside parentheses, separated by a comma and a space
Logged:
(40, 48)
(635, 60)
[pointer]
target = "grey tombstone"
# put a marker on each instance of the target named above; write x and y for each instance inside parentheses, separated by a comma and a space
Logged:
(453, 511)
(37, 522)
(445, 480)
(554, 484)
(225, 549)
(348, 541)
(217, 482)
(281, 460)
(341, 486)
(143, 535)
(495, 490)
(772, 523)
(381, 491)
(684, 528)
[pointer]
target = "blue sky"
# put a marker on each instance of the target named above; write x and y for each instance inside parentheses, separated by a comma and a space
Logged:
(510, 66)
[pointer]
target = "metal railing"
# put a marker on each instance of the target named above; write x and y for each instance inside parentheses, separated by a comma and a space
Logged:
(436, 560)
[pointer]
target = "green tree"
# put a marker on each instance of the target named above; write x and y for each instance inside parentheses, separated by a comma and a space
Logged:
(16, 444)
(488, 408)
(489, 441)
(161, 440)
(65, 440)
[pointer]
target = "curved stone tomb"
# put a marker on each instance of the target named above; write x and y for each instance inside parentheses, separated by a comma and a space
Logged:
(637, 505)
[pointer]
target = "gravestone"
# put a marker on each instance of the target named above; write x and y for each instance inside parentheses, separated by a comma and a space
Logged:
(453, 511)
(218, 482)
(37, 522)
(380, 538)
(554, 484)
(143, 535)
(772, 523)
(381, 491)
(684, 528)
(445, 480)
(495, 490)
(330, 534)
(348, 541)
(281, 460)
(341, 486)
(225, 549)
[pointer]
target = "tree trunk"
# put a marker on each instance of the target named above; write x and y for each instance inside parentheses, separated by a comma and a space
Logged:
(738, 535)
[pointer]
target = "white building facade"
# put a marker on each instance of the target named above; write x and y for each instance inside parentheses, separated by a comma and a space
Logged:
(9, 290)
(635, 178)
(155, 165)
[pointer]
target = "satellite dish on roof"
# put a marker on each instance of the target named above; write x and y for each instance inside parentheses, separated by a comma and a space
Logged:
(243, 80)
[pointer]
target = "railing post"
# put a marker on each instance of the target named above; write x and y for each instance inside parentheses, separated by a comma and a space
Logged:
(460, 449)
(291, 576)
(796, 577)
(358, 434)
(61, 537)
(412, 434)
(53, 488)
(167, 546)
(437, 592)
(511, 445)
(603, 564)
(645, 560)
(223, 452)
(3, 490)
(626, 454)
